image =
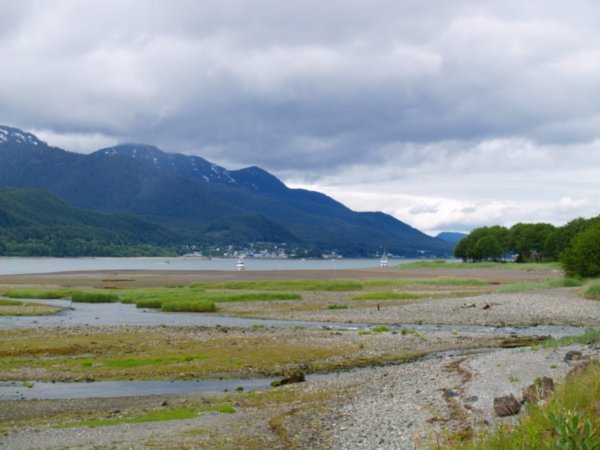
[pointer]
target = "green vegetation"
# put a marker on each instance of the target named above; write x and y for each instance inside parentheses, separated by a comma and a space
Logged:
(167, 354)
(154, 416)
(582, 258)
(441, 264)
(94, 297)
(380, 329)
(182, 306)
(37, 223)
(386, 296)
(41, 293)
(576, 245)
(590, 336)
(570, 421)
(337, 307)
(441, 281)
(7, 302)
(10, 307)
(546, 284)
(178, 299)
(129, 363)
(282, 285)
(593, 291)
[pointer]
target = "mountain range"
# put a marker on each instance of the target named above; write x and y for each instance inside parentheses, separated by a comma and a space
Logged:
(179, 198)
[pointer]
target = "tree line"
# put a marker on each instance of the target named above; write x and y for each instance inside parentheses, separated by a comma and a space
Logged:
(576, 245)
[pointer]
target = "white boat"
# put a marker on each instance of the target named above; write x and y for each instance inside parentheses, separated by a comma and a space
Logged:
(383, 262)
(240, 264)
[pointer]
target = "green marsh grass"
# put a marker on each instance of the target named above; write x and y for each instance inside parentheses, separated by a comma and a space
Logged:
(590, 336)
(183, 306)
(387, 296)
(282, 285)
(154, 416)
(441, 264)
(7, 302)
(94, 297)
(185, 299)
(48, 294)
(129, 363)
(546, 284)
(593, 291)
(442, 281)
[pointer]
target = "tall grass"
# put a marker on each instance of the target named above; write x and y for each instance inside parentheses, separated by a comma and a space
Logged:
(44, 293)
(6, 302)
(282, 285)
(593, 291)
(94, 297)
(386, 296)
(182, 306)
(441, 281)
(441, 264)
(551, 283)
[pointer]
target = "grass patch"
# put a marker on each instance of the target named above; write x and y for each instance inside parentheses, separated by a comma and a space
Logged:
(441, 264)
(137, 353)
(546, 284)
(183, 306)
(593, 291)
(94, 297)
(252, 297)
(7, 302)
(381, 329)
(149, 303)
(154, 416)
(590, 336)
(10, 307)
(132, 363)
(337, 307)
(387, 296)
(441, 281)
(47, 294)
(570, 421)
(185, 299)
(282, 285)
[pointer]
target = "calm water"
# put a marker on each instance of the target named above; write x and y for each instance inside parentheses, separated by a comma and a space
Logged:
(14, 390)
(106, 314)
(12, 266)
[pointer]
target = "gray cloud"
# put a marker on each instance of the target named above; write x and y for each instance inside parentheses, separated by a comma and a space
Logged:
(443, 98)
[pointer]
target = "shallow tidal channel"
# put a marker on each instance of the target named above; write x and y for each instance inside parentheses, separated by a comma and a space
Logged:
(119, 314)
(16, 390)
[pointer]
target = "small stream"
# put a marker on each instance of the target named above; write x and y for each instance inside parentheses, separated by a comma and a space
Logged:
(109, 314)
(17, 390)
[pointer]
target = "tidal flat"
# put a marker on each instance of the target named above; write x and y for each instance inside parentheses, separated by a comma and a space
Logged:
(372, 380)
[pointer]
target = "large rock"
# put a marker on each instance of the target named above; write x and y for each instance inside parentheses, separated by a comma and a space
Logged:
(296, 377)
(573, 355)
(507, 405)
(540, 390)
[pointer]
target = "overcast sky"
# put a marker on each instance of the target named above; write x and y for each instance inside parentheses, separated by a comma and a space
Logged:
(447, 114)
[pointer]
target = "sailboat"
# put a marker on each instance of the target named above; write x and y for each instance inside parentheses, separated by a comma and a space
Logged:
(240, 263)
(383, 262)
